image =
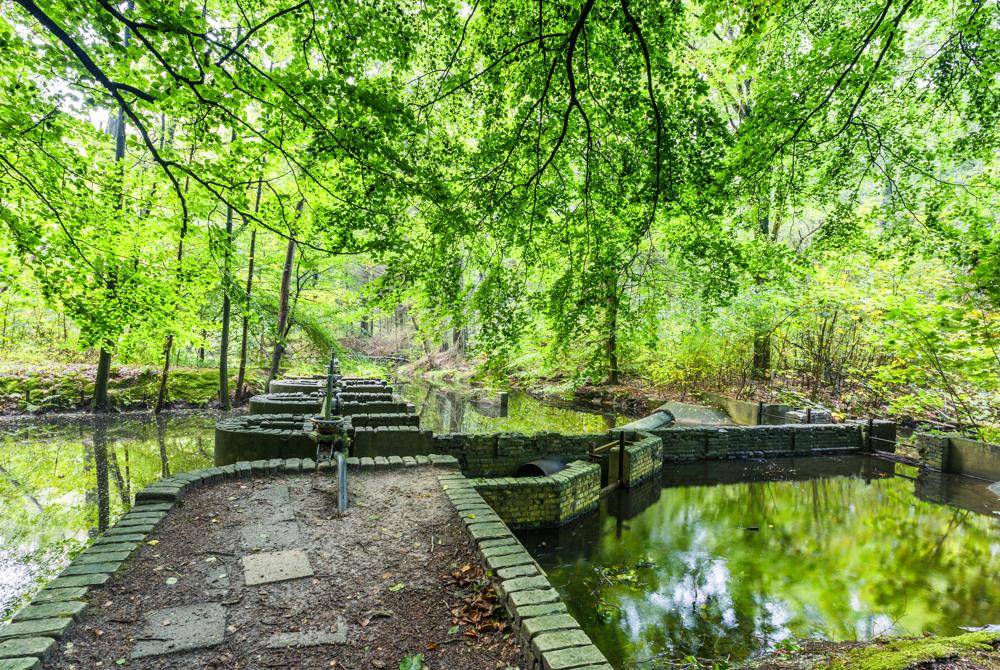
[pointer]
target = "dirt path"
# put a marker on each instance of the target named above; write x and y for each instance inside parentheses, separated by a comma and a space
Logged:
(394, 577)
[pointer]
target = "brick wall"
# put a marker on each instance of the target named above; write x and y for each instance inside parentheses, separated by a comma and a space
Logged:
(543, 502)
(643, 459)
(500, 455)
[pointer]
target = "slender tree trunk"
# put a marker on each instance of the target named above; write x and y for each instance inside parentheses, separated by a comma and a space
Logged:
(226, 307)
(168, 344)
(611, 345)
(283, 296)
(101, 381)
(241, 376)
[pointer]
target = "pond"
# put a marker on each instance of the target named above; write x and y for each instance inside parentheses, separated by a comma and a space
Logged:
(725, 560)
(63, 480)
(465, 409)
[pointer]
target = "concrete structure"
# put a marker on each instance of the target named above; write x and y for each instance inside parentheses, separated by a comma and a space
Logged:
(959, 455)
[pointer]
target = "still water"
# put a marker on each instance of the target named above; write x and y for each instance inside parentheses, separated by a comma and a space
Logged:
(724, 560)
(63, 481)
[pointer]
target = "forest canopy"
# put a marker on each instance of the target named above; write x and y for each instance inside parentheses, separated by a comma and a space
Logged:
(797, 195)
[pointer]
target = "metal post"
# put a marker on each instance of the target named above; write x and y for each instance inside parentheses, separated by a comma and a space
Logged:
(809, 415)
(760, 412)
(621, 459)
(341, 482)
(871, 423)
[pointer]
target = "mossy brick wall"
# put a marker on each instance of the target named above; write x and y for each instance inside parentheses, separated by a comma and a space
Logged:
(697, 443)
(543, 502)
(502, 454)
(262, 436)
(643, 459)
(397, 440)
(286, 403)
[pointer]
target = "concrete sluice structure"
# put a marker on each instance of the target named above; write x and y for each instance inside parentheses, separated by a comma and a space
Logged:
(280, 423)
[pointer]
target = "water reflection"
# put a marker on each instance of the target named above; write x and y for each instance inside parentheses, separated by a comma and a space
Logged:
(725, 560)
(470, 410)
(61, 483)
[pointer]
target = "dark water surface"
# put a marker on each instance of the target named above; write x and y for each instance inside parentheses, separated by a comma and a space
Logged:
(727, 559)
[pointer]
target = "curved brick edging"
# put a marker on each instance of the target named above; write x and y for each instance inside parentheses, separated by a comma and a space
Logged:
(36, 627)
(552, 638)
(262, 436)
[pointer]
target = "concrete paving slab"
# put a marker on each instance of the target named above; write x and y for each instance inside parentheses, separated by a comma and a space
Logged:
(263, 536)
(174, 629)
(276, 566)
(27, 646)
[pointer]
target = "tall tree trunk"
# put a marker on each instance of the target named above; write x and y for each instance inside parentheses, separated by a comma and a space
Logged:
(226, 307)
(241, 376)
(226, 304)
(611, 344)
(168, 344)
(283, 296)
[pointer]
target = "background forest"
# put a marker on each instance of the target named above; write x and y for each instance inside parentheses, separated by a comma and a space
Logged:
(788, 198)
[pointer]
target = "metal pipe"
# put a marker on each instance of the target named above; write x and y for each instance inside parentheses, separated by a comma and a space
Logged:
(621, 458)
(341, 482)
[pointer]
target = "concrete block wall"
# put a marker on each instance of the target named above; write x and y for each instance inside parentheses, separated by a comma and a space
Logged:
(543, 502)
(500, 455)
(374, 420)
(695, 443)
(373, 441)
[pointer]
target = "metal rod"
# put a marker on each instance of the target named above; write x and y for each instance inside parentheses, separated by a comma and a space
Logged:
(760, 412)
(621, 458)
(341, 482)
(871, 423)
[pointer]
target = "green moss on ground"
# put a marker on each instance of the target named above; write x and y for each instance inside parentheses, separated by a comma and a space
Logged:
(972, 651)
(70, 387)
(902, 653)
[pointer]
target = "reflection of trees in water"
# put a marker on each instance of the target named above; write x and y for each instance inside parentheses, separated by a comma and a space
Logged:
(100, 457)
(740, 566)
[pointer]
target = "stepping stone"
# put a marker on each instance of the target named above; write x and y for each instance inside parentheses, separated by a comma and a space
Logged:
(59, 595)
(69, 608)
(80, 580)
(184, 628)
(19, 664)
(269, 536)
(275, 566)
(109, 567)
(309, 638)
(35, 628)
(28, 646)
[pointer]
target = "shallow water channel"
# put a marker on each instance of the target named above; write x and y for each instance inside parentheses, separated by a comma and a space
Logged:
(727, 559)
(63, 480)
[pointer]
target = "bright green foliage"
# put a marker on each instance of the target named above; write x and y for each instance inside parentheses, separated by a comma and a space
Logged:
(702, 192)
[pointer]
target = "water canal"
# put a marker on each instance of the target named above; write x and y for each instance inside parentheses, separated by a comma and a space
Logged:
(725, 560)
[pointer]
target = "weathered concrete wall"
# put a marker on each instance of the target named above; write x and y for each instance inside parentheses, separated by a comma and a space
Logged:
(694, 443)
(749, 413)
(959, 455)
(500, 455)
(262, 436)
(543, 502)
(977, 459)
